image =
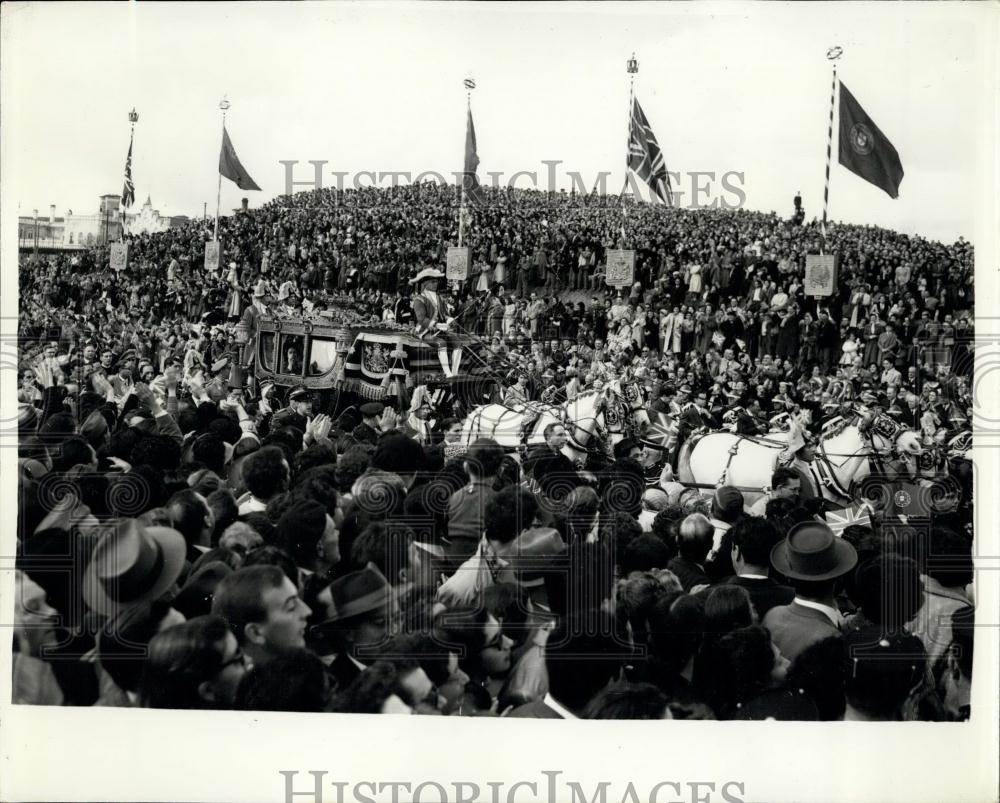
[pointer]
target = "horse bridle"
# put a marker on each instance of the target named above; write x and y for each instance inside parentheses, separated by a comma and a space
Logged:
(828, 476)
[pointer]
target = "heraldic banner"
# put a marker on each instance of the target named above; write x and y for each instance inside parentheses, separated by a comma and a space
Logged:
(375, 360)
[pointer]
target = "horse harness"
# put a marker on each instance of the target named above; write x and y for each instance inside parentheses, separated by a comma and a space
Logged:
(821, 470)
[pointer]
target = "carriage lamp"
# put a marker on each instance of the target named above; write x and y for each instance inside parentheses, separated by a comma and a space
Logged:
(241, 336)
(242, 333)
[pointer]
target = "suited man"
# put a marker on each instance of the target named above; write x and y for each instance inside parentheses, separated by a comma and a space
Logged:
(813, 559)
(555, 473)
(753, 539)
(580, 660)
(356, 615)
(695, 537)
(696, 415)
(910, 412)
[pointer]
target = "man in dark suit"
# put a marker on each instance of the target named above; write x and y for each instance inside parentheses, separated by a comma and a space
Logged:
(753, 540)
(910, 412)
(555, 473)
(692, 417)
(694, 541)
(580, 660)
(359, 612)
(369, 429)
(813, 559)
(467, 506)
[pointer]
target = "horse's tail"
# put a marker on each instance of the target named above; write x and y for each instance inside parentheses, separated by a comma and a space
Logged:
(684, 473)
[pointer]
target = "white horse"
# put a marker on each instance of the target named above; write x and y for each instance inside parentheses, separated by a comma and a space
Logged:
(842, 459)
(524, 424)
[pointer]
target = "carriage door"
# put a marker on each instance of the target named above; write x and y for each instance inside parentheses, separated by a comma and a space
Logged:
(322, 355)
(265, 351)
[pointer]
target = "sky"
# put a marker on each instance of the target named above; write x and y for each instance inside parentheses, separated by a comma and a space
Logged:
(735, 87)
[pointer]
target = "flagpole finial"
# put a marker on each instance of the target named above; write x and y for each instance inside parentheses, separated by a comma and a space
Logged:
(834, 53)
(632, 65)
(133, 117)
(224, 104)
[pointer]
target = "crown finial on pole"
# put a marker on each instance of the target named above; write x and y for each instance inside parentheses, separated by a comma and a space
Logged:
(632, 65)
(133, 117)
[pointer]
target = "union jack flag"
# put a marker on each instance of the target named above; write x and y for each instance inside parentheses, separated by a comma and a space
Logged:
(128, 192)
(856, 514)
(645, 157)
(661, 433)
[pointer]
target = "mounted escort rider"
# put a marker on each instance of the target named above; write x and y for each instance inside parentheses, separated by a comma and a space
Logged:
(432, 318)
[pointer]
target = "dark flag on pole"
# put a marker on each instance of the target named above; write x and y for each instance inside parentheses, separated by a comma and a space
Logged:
(645, 157)
(230, 167)
(128, 191)
(864, 149)
(470, 182)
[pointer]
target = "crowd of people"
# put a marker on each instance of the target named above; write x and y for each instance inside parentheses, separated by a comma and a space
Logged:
(188, 538)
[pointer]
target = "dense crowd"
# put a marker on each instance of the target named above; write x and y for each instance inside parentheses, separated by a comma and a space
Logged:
(191, 540)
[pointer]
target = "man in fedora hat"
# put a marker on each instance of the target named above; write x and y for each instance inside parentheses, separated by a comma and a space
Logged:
(359, 614)
(431, 313)
(812, 559)
(132, 564)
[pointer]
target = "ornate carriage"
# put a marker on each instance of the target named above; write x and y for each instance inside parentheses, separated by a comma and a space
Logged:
(371, 361)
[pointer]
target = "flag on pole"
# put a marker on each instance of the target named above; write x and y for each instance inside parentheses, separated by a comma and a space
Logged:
(661, 432)
(230, 167)
(864, 149)
(128, 191)
(470, 182)
(645, 157)
(840, 520)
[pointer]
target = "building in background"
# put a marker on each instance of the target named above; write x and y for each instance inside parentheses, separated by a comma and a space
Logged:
(149, 221)
(76, 232)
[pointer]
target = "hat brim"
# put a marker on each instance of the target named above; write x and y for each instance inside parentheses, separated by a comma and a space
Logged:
(846, 557)
(373, 601)
(427, 273)
(199, 585)
(174, 551)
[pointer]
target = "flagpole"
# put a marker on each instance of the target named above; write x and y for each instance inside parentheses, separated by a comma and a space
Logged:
(632, 67)
(469, 86)
(223, 104)
(832, 54)
(461, 206)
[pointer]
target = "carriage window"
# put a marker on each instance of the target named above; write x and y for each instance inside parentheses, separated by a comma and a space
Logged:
(322, 355)
(291, 355)
(265, 350)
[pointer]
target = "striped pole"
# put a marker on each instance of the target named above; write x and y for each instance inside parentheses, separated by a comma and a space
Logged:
(832, 54)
